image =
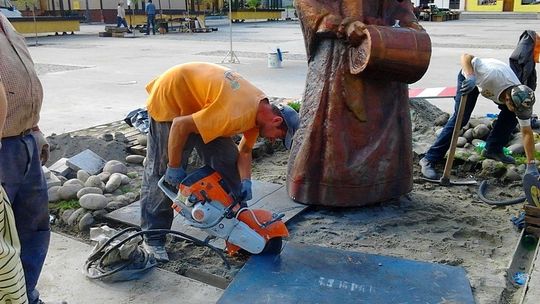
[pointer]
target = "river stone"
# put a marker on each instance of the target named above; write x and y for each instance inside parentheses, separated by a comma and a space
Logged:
(125, 179)
(517, 149)
(73, 181)
(461, 141)
(474, 158)
(121, 137)
(67, 192)
(66, 214)
(492, 168)
(93, 181)
(144, 162)
(134, 159)
(87, 190)
(131, 196)
(104, 176)
(62, 179)
(442, 119)
(142, 140)
(74, 216)
(82, 175)
(114, 182)
(99, 213)
(107, 137)
(117, 192)
(474, 122)
(114, 166)
(122, 198)
(93, 201)
(52, 192)
(481, 131)
(468, 135)
(86, 222)
(115, 205)
(512, 175)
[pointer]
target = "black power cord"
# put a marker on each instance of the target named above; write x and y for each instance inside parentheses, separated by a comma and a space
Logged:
(95, 260)
(482, 189)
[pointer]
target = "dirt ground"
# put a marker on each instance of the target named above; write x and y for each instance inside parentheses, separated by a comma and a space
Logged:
(447, 225)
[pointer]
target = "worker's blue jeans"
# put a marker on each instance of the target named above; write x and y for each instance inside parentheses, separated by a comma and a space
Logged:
(23, 180)
(498, 137)
(156, 213)
(151, 20)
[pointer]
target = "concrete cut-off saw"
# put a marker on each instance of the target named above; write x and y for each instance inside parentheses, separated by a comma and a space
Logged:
(206, 202)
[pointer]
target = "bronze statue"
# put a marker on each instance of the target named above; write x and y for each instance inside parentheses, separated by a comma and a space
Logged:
(354, 146)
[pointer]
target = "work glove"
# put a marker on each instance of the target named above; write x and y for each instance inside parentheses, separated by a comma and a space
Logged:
(245, 193)
(42, 146)
(174, 176)
(468, 85)
(532, 169)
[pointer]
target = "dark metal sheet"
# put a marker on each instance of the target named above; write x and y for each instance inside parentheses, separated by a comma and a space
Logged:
(312, 274)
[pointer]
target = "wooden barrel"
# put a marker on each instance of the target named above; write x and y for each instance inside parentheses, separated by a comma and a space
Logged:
(392, 53)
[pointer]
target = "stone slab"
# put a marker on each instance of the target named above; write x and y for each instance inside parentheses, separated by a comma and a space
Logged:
(60, 167)
(52, 181)
(88, 161)
(62, 279)
(269, 196)
(46, 172)
(532, 294)
(313, 274)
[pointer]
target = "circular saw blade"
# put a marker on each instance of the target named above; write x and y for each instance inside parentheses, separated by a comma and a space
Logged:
(531, 186)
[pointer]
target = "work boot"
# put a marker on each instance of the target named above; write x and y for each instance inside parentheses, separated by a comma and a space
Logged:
(499, 156)
(428, 169)
(159, 252)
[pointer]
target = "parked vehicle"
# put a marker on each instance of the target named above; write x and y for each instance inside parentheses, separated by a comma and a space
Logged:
(8, 9)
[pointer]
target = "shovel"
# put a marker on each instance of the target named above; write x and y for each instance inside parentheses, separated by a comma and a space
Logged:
(445, 179)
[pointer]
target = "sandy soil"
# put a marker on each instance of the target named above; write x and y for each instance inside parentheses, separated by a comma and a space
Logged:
(447, 225)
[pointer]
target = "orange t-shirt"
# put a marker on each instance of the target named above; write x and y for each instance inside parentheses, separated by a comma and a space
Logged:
(221, 102)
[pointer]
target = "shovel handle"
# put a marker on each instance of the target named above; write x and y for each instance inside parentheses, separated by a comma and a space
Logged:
(453, 143)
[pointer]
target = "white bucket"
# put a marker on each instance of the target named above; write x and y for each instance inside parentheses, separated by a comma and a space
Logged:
(273, 61)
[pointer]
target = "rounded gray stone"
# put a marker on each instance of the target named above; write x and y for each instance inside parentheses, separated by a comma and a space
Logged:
(468, 135)
(115, 205)
(107, 137)
(82, 175)
(512, 175)
(104, 176)
(93, 201)
(67, 192)
(86, 222)
(442, 119)
(517, 149)
(461, 141)
(481, 131)
(72, 220)
(87, 190)
(66, 214)
(52, 192)
(142, 140)
(62, 179)
(135, 159)
(114, 166)
(131, 196)
(114, 182)
(99, 213)
(73, 181)
(93, 181)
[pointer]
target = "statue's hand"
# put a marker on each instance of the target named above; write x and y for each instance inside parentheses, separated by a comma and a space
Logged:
(356, 32)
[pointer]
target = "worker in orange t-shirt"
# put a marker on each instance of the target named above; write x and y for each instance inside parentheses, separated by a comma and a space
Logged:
(201, 105)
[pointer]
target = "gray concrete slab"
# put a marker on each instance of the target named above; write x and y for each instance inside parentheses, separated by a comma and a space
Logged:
(266, 196)
(62, 279)
(532, 295)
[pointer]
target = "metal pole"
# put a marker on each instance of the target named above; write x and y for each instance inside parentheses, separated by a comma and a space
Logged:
(87, 12)
(231, 56)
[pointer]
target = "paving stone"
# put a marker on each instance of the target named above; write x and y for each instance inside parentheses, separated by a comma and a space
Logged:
(87, 161)
(60, 167)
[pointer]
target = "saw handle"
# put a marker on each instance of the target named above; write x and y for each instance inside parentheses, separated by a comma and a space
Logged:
(168, 189)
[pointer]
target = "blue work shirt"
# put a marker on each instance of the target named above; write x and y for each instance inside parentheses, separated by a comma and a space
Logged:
(150, 9)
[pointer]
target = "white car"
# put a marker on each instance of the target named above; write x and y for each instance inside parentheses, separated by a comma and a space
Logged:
(8, 9)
